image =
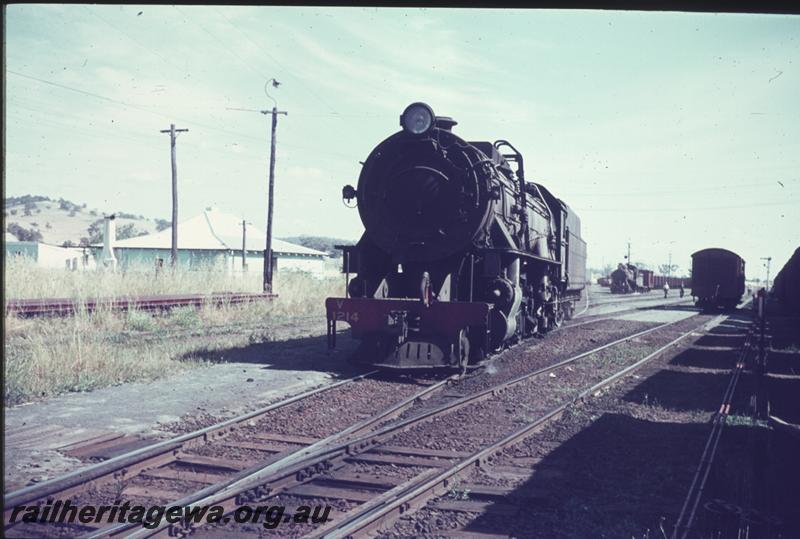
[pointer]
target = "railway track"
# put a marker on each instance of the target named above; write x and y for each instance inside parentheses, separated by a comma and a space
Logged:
(453, 477)
(187, 457)
(179, 460)
(688, 515)
(243, 328)
(152, 454)
(292, 459)
(70, 306)
(601, 301)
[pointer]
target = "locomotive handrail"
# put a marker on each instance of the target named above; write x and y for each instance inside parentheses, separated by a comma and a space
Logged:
(523, 195)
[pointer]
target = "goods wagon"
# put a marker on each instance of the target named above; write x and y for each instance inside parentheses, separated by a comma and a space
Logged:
(717, 278)
(786, 287)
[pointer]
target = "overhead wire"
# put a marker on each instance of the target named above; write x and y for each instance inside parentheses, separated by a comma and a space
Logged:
(135, 107)
(223, 45)
(680, 190)
(694, 209)
(280, 65)
(132, 39)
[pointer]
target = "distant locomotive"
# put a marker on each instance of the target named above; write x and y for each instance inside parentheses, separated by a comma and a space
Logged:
(717, 278)
(460, 255)
(627, 278)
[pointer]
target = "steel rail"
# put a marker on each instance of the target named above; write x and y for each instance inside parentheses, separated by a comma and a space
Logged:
(80, 478)
(290, 461)
(413, 495)
(614, 314)
(311, 461)
(683, 524)
(585, 308)
(69, 306)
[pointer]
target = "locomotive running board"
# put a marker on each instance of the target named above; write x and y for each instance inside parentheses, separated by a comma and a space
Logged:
(370, 315)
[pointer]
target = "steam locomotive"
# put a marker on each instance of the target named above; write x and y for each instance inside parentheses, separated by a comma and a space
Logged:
(460, 256)
(627, 278)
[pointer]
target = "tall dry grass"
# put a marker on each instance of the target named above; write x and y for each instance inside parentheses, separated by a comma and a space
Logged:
(49, 356)
(24, 280)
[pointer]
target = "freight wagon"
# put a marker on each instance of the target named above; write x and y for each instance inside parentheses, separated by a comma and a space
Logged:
(717, 278)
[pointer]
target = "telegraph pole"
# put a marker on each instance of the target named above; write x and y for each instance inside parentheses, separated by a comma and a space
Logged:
(629, 252)
(769, 260)
(244, 246)
(268, 247)
(172, 136)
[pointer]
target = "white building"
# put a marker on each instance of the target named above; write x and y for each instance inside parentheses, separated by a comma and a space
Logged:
(48, 256)
(214, 239)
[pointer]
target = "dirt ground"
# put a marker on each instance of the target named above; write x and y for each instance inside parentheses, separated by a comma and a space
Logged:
(249, 377)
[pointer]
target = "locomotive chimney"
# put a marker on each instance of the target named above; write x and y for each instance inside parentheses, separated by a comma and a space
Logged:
(109, 239)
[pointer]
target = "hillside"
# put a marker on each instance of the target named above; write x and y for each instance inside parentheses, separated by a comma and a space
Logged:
(56, 221)
(320, 243)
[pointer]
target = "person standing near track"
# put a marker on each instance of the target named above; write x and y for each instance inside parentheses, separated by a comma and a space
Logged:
(681, 288)
(666, 288)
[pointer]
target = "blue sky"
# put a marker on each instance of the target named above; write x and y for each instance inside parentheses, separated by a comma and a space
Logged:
(674, 131)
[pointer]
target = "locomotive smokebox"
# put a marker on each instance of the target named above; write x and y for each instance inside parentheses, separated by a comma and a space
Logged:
(423, 193)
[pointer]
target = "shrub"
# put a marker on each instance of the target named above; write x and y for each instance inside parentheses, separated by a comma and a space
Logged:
(129, 231)
(139, 321)
(24, 234)
(185, 317)
(95, 231)
(162, 224)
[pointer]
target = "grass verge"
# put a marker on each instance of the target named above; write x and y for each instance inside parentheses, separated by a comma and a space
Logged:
(49, 356)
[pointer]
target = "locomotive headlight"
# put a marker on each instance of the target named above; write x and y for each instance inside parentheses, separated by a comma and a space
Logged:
(417, 119)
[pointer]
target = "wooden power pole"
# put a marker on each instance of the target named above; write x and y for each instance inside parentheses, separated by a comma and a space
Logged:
(769, 260)
(172, 136)
(268, 247)
(244, 246)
